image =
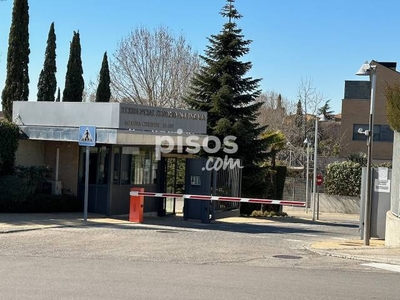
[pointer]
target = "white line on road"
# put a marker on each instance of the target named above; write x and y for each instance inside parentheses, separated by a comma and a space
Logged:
(306, 234)
(292, 240)
(388, 267)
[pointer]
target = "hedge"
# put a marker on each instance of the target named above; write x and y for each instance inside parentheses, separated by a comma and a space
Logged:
(343, 178)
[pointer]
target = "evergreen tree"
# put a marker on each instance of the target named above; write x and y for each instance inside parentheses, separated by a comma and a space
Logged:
(17, 81)
(74, 83)
(326, 110)
(47, 84)
(58, 99)
(299, 115)
(103, 92)
(222, 90)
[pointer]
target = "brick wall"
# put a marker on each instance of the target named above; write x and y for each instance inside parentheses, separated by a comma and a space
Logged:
(68, 163)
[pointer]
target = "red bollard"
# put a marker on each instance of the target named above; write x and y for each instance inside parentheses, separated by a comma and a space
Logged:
(136, 207)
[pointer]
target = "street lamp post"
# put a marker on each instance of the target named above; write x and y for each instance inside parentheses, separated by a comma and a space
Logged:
(307, 142)
(369, 70)
(318, 119)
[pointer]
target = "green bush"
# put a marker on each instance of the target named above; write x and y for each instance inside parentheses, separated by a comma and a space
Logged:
(22, 193)
(343, 178)
(34, 176)
(259, 213)
(359, 157)
(13, 189)
(9, 135)
(43, 203)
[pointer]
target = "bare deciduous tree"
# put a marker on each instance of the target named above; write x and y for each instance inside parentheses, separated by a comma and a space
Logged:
(153, 68)
(311, 100)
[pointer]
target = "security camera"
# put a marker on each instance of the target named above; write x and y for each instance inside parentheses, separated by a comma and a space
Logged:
(360, 131)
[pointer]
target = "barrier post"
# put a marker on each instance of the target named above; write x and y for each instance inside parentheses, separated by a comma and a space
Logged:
(136, 206)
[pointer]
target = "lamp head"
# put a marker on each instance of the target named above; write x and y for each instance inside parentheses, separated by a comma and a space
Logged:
(366, 69)
(322, 118)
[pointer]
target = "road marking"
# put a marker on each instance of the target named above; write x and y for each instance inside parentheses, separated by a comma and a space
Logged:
(388, 267)
(306, 234)
(292, 240)
(339, 238)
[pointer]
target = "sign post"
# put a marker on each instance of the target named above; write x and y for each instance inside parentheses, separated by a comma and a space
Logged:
(320, 180)
(87, 137)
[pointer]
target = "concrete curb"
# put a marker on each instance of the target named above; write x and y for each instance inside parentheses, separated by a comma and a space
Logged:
(386, 260)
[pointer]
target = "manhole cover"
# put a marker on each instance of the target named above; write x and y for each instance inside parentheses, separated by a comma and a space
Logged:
(283, 256)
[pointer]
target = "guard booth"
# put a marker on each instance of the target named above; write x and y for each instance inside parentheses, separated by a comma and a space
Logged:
(380, 200)
(183, 174)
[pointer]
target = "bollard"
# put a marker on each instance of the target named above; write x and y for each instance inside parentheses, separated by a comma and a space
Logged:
(136, 206)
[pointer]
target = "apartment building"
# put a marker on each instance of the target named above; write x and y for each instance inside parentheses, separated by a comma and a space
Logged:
(356, 111)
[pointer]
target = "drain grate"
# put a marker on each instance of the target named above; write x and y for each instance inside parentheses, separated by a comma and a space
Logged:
(283, 256)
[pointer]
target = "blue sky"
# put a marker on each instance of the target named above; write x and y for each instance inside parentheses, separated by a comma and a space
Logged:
(325, 41)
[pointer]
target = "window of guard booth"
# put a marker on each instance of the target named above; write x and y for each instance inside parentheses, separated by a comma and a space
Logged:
(93, 164)
(137, 165)
(117, 164)
(154, 168)
(103, 157)
(141, 170)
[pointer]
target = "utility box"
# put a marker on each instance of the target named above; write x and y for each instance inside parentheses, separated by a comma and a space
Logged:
(56, 187)
(380, 200)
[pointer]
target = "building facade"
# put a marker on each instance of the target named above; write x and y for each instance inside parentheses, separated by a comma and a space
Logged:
(356, 111)
(125, 151)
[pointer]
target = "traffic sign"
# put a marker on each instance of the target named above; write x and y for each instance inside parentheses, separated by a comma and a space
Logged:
(320, 180)
(87, 136)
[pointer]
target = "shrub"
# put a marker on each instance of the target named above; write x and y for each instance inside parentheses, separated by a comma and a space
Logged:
(259, 213)
(343, 178)
(43, 203)
(359, 157)
(13, 189)
(392, 94)
(9, 135)
(35, 176)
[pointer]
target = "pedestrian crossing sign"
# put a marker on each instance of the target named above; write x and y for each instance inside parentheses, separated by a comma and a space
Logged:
(87, 136)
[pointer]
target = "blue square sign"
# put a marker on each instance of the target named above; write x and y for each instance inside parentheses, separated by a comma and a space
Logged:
(87, 136)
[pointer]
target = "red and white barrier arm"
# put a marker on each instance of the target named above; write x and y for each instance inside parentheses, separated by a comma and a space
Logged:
(218, 198)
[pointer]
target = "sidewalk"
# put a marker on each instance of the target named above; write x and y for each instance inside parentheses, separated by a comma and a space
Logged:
(349, 249)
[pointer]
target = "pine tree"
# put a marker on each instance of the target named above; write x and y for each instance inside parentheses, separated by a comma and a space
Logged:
(299, 115)
(47, 84)
(74, 83)
(58, 99)
(222, 90)
(326, 110)
(17, 81)
(103, 92)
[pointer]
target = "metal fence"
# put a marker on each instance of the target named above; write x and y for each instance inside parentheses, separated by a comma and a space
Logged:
(227, 182)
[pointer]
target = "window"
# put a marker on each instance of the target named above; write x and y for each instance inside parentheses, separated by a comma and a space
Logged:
(98, 165)
(382, 133)
(138, 165)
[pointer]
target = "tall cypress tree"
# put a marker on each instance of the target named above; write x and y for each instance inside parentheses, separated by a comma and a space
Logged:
(226, 94)
(58, 99)
(17, 81)
(103, 92)
(74, 83)
(47, 84)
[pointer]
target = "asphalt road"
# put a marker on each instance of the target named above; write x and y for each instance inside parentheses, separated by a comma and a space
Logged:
(169, 259)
